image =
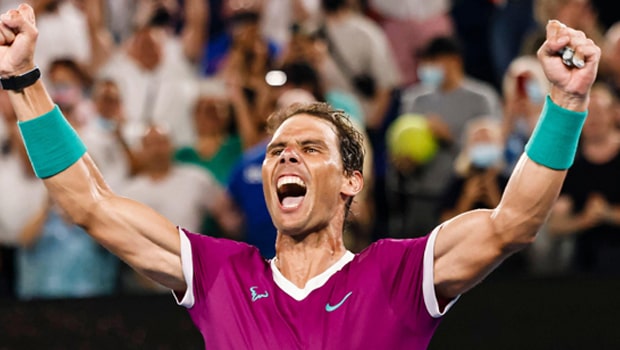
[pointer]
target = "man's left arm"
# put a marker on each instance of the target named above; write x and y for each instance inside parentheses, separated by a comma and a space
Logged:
(470, 246)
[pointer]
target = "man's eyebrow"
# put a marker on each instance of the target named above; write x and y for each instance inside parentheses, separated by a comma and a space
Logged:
(275, 145)
(313, 142)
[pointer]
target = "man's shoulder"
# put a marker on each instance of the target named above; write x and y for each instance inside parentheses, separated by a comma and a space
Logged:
(223, 246)
(480, 87)
(395, 248)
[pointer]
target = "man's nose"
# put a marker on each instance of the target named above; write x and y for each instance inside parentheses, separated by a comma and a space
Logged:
(289, 155)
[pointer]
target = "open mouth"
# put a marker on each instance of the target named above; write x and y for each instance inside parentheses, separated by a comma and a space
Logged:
(291, 191)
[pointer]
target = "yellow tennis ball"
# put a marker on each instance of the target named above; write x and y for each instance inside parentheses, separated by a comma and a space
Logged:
(410, 136)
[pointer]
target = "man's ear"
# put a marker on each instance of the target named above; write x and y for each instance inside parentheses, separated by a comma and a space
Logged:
(353, 184)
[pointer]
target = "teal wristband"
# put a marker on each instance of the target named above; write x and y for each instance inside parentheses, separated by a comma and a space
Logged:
(52, 144)
(554, 141)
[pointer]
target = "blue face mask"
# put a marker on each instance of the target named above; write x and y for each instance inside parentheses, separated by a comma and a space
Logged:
(106, 124)
(534, 91)
(431, 75)
(485, 155)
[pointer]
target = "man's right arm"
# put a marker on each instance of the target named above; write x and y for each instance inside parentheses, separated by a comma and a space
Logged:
(137, 234)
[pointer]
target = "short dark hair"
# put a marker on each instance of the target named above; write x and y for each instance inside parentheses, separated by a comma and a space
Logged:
(351, 140)
(76, 68)
(331, 6)
(301, 74)
(441, 46)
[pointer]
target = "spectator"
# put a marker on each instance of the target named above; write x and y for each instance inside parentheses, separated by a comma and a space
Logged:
(69, 88)
(524, 89)
(478, 181)
(278, 16)
(364, 66)
(610, 60)
(512, 21)
(155, 69)
(57, 259)
(448, 99)
(242, 53)
(589, 205)
(217, 147)
(104, 135)
(410, 25)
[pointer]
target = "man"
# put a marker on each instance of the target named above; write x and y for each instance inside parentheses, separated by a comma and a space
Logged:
(449, 99)
(313, 294)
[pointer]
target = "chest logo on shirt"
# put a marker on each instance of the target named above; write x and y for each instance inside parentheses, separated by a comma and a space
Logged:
(330, 308)
(256, 296)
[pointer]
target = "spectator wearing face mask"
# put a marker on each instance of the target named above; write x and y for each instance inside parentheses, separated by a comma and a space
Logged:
(524, 90)
(448, 98)
(478, 181)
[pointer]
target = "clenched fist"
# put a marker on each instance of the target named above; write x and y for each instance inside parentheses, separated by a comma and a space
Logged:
(18, 35)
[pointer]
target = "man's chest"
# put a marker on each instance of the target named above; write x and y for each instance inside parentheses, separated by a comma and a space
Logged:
(347, 311)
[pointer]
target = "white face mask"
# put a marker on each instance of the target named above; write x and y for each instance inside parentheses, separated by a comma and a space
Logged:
(431, 75)
(484, 155)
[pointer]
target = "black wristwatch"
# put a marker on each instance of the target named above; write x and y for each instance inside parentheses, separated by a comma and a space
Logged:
(19, 82)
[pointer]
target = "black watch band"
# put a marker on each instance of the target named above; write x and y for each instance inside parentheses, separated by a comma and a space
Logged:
(19, 82)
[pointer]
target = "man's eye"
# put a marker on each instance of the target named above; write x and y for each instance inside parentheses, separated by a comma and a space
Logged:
(311, 150)
(276, 152)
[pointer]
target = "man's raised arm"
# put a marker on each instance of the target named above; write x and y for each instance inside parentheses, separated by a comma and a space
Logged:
(144, 239)
(470, 246)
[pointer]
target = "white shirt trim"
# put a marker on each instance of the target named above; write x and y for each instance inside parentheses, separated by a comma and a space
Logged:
(428, 279)
(188, 272)
(314, 283)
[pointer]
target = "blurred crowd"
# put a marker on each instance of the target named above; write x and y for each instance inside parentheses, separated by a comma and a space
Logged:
(171, 98)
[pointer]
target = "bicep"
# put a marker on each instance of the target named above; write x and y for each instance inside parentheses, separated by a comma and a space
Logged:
(467, 249)
(140, 236)
(134, 232)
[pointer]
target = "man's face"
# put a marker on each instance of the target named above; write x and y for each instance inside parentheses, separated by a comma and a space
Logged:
(107, 99)
(211, 116)
(304, 182)
(157, 148)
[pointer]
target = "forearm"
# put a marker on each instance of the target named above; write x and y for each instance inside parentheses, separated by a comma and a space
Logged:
(527, 201)
(194, 33)
(248, 130)
(300, 13)
(31, 102)
(101, 41)
(380, 103)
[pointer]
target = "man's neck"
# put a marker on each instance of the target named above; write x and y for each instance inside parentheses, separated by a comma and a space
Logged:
(339, 14)
(159, 172)
(301, 260)
(452, 83)
(601, 149)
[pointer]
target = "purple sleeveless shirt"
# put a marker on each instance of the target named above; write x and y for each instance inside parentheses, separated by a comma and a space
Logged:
(382, 298)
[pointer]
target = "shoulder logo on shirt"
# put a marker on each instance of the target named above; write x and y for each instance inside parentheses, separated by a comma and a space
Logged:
(330, 308)
(256, 296)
